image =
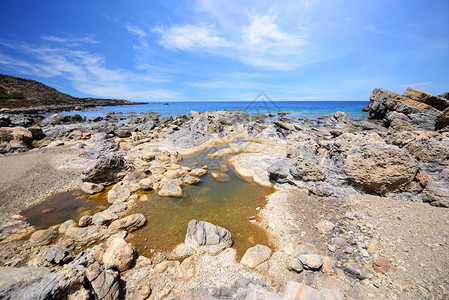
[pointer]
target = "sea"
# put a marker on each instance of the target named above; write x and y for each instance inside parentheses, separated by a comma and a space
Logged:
(309, 109)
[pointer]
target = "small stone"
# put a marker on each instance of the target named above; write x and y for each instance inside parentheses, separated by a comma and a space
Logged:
(349, 216)
(296, 265)
(365, 253)
(373, 245)
(56, 255)
(170, 189)
(198, 172)
(325, 226)
(190, 180)
(104, 217)
(92, 188)
(329, 265)
(144, 198)
(142, 261)
(85, 221)
(189, 267)
(311, 261)
(331, 248)
(256, 255)
(339, 242)
(221, 177)
(348, 250)
(43, 237)
(383, 266)
(162, 266)
(66, 226)
(145, 292)
(146, 184)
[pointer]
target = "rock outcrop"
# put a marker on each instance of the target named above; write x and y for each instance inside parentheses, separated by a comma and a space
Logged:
(206, 237)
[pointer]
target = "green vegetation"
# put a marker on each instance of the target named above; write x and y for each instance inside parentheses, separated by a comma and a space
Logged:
(14, 95)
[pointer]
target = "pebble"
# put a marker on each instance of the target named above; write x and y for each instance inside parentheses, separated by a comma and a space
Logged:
(348, 250)
(331, 248)
(339, 241)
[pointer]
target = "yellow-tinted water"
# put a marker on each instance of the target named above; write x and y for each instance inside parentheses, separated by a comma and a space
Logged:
(231, 204)
(64, 206)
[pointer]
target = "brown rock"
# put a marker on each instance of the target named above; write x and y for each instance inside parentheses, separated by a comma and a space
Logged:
(442, 119)
(129, 223)
(329, 265)
(383, 266)
(422, 178)
(170, 189)
(120, 254)
(43, 237)
(256, 255)
(189, 267)
(439, 103)
(162, 266)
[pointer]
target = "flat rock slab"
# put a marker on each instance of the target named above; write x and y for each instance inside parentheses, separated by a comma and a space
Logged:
(10, 276)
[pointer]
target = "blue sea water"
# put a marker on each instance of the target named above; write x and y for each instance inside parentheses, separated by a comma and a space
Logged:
(310, 109)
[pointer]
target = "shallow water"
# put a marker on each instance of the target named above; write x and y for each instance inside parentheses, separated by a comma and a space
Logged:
(231, 204)
(64, 206)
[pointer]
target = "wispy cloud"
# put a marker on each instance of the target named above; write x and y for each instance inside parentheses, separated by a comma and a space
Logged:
(415, 84)
(86, 71)
(135, 30)
(71, 40)
(189, 37)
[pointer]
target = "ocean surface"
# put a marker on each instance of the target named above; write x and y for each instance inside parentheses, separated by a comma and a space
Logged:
(310, 109)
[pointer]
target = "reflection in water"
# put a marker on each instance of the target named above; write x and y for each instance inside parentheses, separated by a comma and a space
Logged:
(230, 203)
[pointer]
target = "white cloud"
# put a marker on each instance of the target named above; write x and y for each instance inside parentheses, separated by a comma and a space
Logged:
(189, 37)
(86, 71)
(72, 40)
(136, 31)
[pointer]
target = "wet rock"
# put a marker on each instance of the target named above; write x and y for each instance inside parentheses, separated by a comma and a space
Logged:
(120, 254)
(85, 221)
(104, 217)
(206, 237)
(129, 223)
(43, 237)
(198, 172)
(105, 169)
(57, 255)
(221, 177)
(189, 267)
(91, 188)
(383, 266)
(104, 282)
(170, 189)
(255, 256)
(121, 191)
(295, 290)
(190, 180)
(311, 261)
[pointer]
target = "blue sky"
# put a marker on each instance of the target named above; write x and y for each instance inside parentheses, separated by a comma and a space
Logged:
(227, 49)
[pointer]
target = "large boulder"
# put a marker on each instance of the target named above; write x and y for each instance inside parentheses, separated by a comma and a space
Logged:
(105, 169)
(442, 119)
(120, 254)
(206, 237)
(383, 101)
(376, 166)
(438, 102)
(16, 139)
(104, 282)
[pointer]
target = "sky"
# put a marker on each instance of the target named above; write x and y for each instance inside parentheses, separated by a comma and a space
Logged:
(227, 50)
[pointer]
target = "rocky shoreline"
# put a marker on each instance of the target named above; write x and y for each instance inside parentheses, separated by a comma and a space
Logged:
(349, 217)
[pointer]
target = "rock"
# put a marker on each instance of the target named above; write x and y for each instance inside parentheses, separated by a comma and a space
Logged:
(17, 135)
(104, 282)
(437, 102)
(104, 217)
(325, 226)
(383, 266)
(10, 276)
(311, 261)
(164, 292)
(281, 170)
(377, 167)
(373, 245)
(305, 157)
(190, 180)
(85, 235)
(170, 189)
(255, 256)
(91, 188)
(329, 265)
(339, 241)
(36, 132)
(164, 265)
(348, 250)
(120, 254)
(43, 237)
(442, 119)
(66, 225)
(220, 176)
(142, 262)
(85, 221)
(121, 191)
(57, 255)
(105, 169)
(189, 267)
(296, 265)
(198, 172)
(146, 184)
(207, 237)
(299, 291)
(383, 101)
(129, 223)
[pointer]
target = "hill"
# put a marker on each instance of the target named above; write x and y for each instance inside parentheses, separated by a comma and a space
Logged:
(18, 92)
